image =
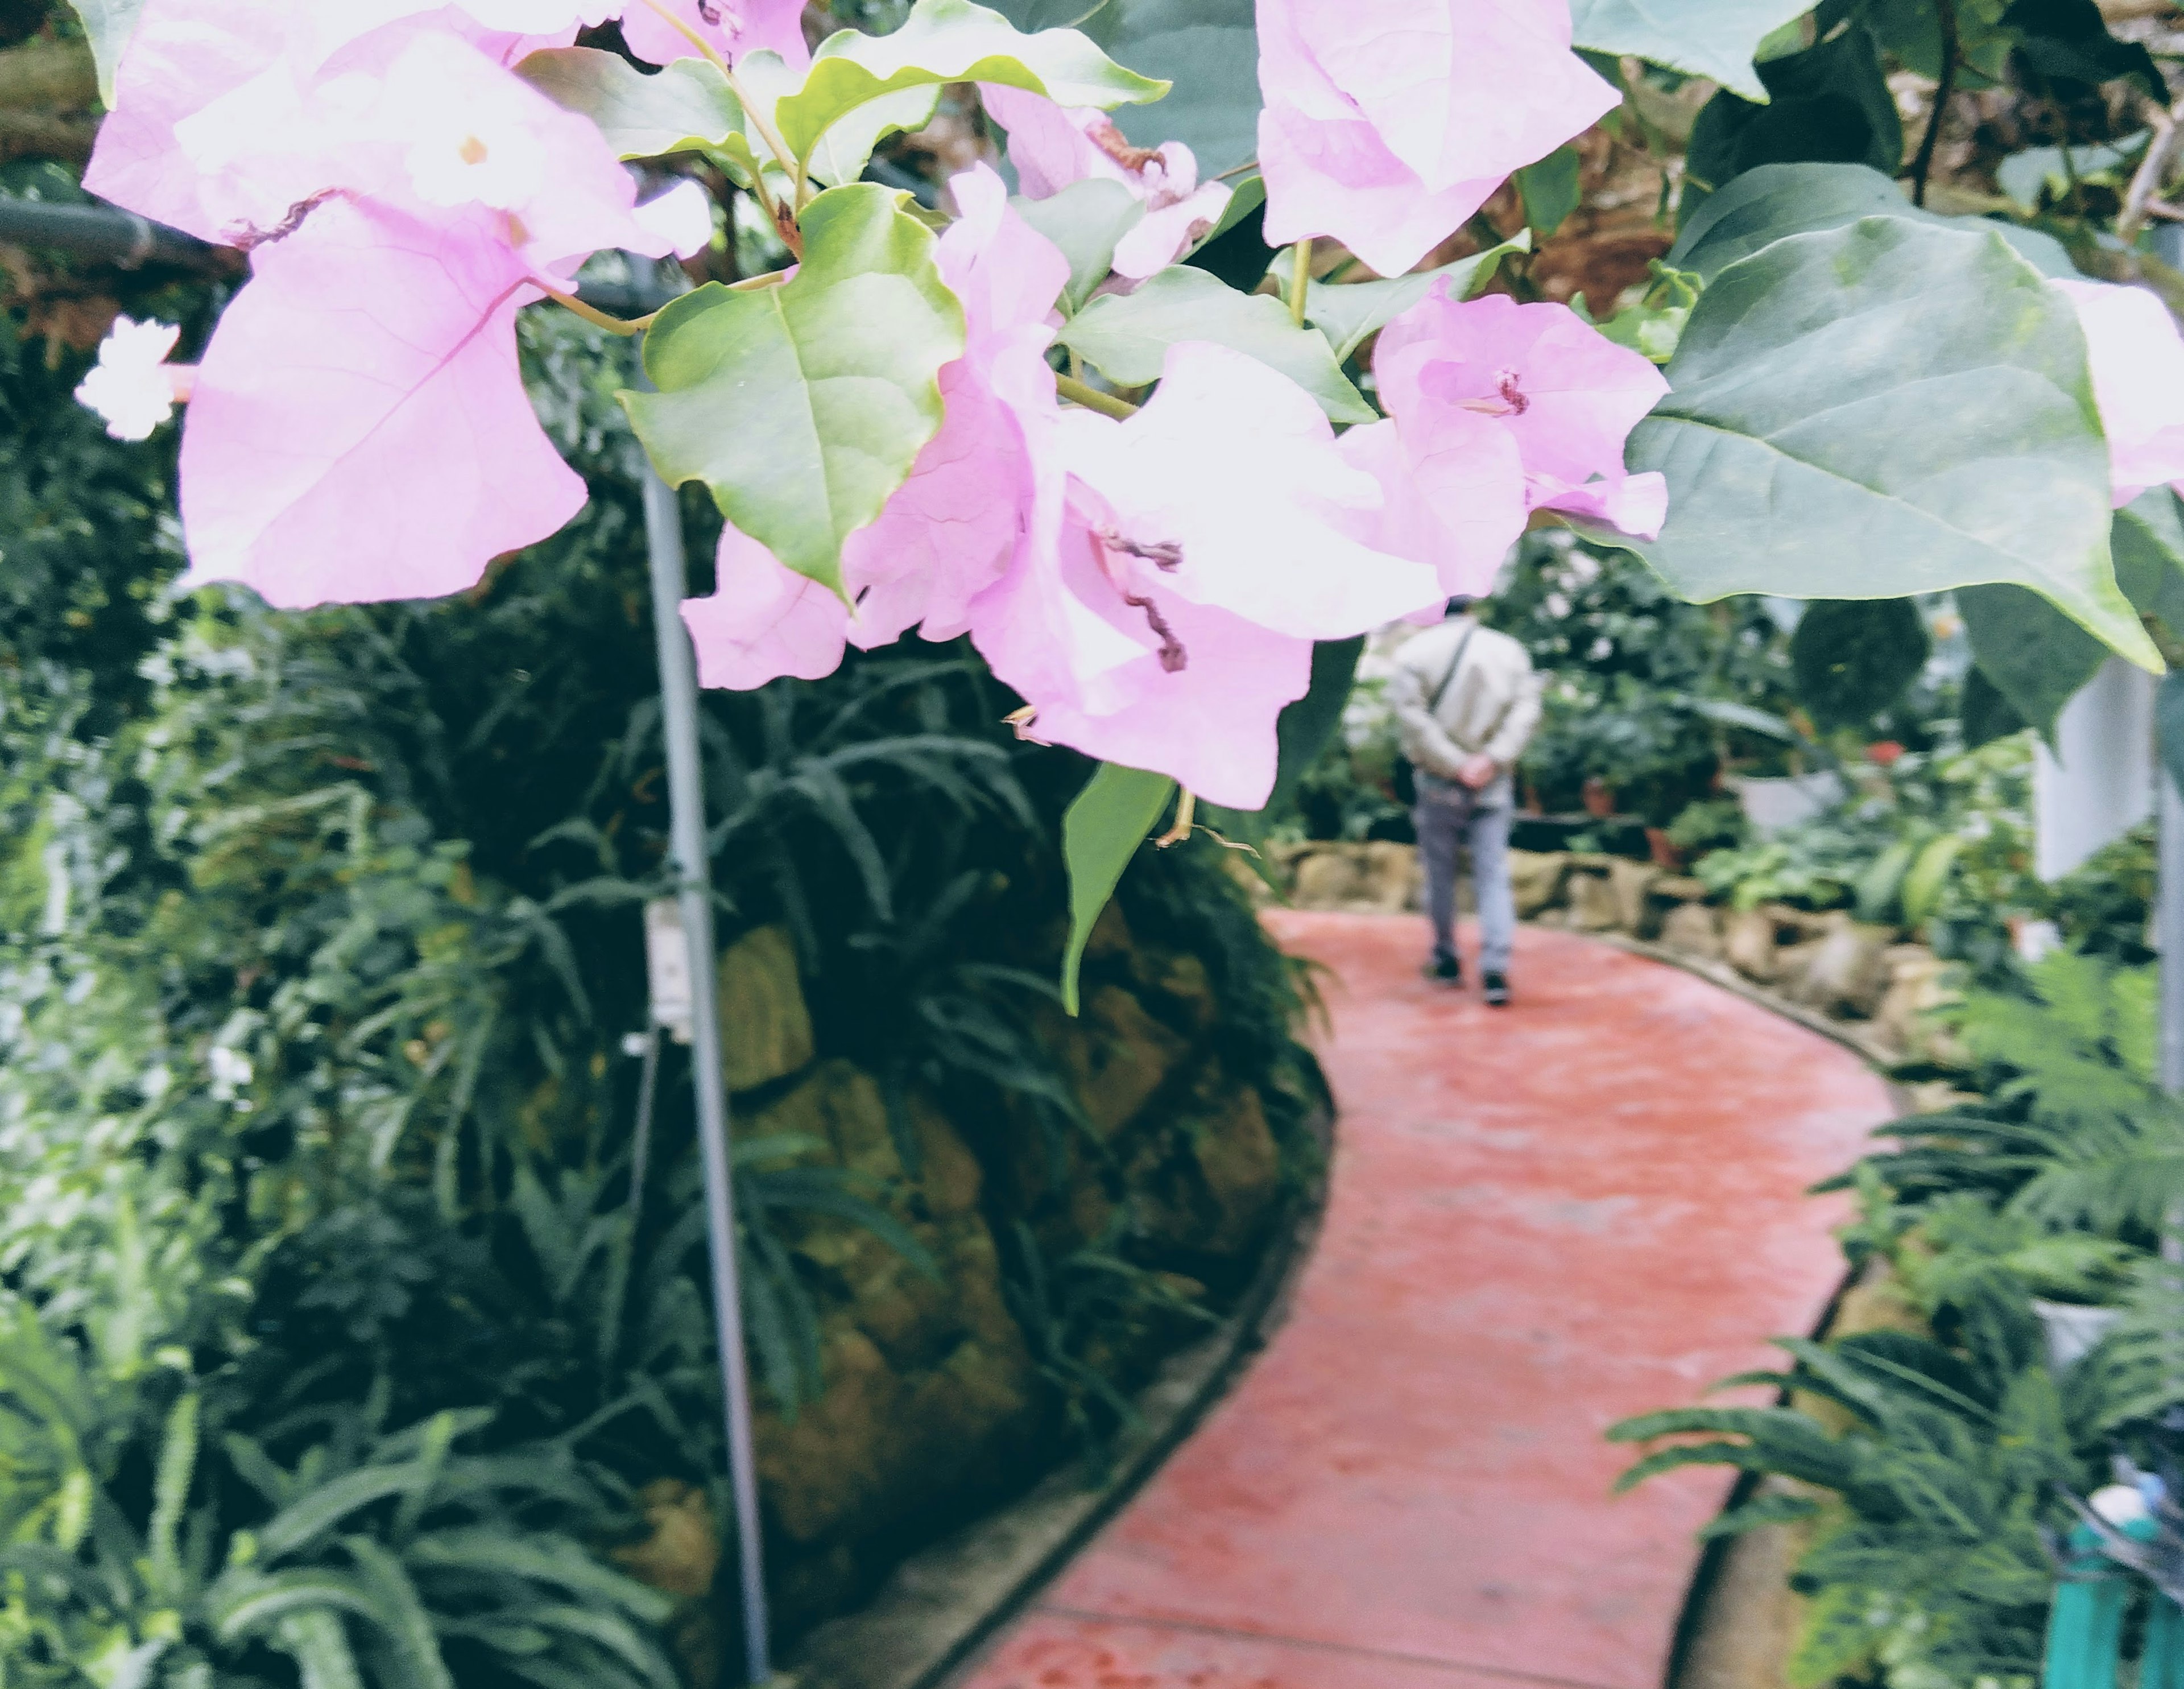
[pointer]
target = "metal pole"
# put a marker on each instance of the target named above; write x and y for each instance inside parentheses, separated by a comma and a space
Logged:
(685, 804)
(2169, 925)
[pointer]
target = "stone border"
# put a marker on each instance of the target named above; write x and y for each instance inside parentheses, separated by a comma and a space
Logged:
(944, 1603)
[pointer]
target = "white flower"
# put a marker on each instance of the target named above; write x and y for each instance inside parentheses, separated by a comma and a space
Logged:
(130, 385)
(230, 1071)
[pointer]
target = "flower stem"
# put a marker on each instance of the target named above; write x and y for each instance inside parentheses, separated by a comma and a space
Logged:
(1186, 811)
(1300, 279)
(593, 316)
(1092, 398)
(766, 132)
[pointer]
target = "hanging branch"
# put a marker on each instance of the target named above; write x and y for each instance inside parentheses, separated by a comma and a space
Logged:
(2138, 200)
(1921, 165)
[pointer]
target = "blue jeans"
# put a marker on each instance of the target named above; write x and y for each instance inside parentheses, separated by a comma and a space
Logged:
(1449, 816)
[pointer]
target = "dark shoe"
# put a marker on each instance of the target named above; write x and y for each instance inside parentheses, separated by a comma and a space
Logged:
(1447, 970)
(1496, 991)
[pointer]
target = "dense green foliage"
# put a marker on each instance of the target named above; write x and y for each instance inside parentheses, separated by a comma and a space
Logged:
(1935, 1448)
(337, 1340)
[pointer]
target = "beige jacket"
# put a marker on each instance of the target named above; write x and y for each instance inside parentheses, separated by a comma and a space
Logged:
(1491, 705)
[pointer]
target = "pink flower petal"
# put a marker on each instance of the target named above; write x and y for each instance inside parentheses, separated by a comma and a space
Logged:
(2137, 364)
(1457, 507)
(1233, 468)
(1388, 122)
(762, 621)
(681, 220)
(1568, 395)
(1161, 236)
(734, 27)
(1052, 146)
(1093, 668)
(1637, 504)
(359, 429)
(951, 530)
(182, 55)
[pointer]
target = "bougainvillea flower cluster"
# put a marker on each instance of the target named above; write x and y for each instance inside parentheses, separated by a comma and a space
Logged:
(1150, 575)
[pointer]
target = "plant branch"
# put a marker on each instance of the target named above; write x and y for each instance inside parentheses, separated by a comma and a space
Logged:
(1092, 398)
(1300, 280)
(593, 316)
(2138, 200)
(1924, 163)
(1248, 164)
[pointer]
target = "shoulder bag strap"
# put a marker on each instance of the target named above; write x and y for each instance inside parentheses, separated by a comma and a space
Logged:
(1455, 663)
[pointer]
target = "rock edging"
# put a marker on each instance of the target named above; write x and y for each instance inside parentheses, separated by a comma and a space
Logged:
(1871, 987)
(942, 1605)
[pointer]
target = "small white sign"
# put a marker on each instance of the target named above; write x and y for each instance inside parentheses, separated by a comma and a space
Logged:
(667, 967)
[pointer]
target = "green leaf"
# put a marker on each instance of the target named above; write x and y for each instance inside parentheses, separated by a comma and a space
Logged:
(1247, 194)
(1084, 220)
(802, 406)
(1987, 715)
(1208, 49)
(2148, 538)
(317, 1643)
(1879, 410)
(1829, 103)
(1929, 875)
(1347, 313)
(1712, 38)
(1128, 336)
(1100, 832)
(1763, 205)
(686, 105)
(951, 40)
(410, 1627)
(2068, 41)
(170, 1491)
(2024, 176)
(1551, 189)
(107, 25)
(1852, 658)
(2035, 657)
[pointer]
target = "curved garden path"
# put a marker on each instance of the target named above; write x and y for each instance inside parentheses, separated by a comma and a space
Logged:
(1540, 1220)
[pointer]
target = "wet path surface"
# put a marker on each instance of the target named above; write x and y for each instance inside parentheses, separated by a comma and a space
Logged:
(1540, 1220)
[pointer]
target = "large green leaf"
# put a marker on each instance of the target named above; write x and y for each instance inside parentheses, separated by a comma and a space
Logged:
(1853, 657)
(1881, 409)
(1100, 832)
(2035, 656)
(951, 41)
(1128, 336)
(1762, 205)
(1348, 312)
(107, 25)
(802, 406)
(686, 105)
(1714, 38)
(1084, 220)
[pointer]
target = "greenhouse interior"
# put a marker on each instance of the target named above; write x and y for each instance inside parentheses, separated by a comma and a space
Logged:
(1156, 844)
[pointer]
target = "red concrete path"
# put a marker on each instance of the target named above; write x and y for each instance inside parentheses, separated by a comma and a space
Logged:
(1541, 1221)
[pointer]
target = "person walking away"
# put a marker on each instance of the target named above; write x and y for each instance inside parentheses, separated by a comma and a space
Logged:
(1466, 702)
